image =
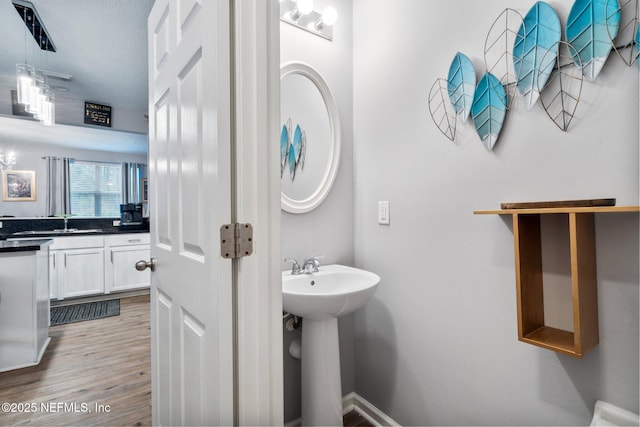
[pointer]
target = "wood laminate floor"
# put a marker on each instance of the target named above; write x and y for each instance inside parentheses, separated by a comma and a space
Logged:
(93, 373)
(354, 419)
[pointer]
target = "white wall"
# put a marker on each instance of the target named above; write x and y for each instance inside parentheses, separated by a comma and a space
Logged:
(438, 345)
(327, 230)
(29, 157)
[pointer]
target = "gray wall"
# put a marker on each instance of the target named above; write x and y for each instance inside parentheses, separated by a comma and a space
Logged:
(438, 345)
(327, 230)
(29, 157)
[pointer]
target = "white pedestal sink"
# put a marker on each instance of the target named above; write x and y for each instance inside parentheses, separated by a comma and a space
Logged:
(320, 298)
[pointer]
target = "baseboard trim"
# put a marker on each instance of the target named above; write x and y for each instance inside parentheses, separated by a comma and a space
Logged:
(101, 297)
(354, 402)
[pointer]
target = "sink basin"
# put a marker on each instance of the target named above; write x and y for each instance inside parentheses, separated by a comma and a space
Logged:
(320, 298)
(334, 291)
(60, 231)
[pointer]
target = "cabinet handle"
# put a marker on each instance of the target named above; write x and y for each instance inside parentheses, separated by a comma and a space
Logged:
(111, 256)
(134, 240)
(54, 261)
(65, 260)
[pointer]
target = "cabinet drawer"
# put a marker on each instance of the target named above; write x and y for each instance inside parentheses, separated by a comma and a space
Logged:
(127, 239)
(77, 242)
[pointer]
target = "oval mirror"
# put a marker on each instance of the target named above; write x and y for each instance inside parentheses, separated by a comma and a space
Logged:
(309, 138)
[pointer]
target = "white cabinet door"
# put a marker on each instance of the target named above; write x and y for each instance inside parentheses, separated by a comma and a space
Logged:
(121, 273)
(83, 272)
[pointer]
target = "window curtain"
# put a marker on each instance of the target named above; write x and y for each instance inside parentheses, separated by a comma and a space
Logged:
(132, 174)
(58, 186)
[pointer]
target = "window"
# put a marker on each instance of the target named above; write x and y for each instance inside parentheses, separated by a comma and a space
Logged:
(96, 188)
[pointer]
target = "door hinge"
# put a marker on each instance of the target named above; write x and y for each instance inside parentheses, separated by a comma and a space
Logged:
(236, 240)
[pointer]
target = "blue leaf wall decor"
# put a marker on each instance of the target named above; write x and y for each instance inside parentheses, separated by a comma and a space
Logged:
(292, 163)
(293, 149)
(462, 84)
(284, 145)
(489, 109)
(539, 33)
(637, 43)
(591, 26)
(622, 29)
(296, 145)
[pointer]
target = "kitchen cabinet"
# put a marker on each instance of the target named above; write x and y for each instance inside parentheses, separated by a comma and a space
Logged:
(121, 254)
(24, 303)
(77, 266)
(95, 265)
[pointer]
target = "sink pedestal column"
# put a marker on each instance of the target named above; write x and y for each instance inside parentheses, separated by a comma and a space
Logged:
(321, 386)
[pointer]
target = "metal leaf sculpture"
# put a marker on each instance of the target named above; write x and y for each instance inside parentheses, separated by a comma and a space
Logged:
(461, 85)
(498, 50)
(303, 149)
(561, 94)
(590, 27)
(441, 110)
(628, 29)
(489, 109)
(539, 33)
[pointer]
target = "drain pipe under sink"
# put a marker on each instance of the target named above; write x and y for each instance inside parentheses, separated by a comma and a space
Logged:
(295, 348)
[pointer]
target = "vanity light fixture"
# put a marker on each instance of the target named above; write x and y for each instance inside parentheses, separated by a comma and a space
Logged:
(7, 161)
(301, 14)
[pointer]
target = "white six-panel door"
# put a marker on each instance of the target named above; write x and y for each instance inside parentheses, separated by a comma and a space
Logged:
(189, 165)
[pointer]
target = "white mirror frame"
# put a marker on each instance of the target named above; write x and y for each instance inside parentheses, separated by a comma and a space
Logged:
(301, 206)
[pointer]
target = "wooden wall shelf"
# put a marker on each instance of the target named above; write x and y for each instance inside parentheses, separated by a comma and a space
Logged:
(528, 262)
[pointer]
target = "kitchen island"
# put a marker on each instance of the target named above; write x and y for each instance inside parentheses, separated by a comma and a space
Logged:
(24, 302)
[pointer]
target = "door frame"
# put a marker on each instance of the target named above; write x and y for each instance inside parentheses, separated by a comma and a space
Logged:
(256, 117)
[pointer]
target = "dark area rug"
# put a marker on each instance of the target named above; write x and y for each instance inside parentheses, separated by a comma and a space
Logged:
(81, 312)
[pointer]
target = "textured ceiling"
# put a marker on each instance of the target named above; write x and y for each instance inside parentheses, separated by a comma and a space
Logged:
(102, 44)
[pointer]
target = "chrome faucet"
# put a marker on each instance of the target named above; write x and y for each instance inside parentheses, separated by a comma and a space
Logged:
(66, 221)
(308, 266)
(295, 268)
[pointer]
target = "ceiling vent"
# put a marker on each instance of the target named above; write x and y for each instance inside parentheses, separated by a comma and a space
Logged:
(28, 14)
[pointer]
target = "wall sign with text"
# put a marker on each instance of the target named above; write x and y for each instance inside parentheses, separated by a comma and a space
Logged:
(97, 114)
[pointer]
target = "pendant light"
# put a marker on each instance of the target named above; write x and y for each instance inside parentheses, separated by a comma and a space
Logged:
(31, 88)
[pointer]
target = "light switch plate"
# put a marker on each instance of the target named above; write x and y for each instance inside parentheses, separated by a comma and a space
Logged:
(383, 212)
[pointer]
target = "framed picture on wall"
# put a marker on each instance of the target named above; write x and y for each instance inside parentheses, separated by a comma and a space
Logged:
(18, 186)
(144, 190)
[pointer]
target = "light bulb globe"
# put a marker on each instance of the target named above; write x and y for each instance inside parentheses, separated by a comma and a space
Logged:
(305, 6)
(329, 16)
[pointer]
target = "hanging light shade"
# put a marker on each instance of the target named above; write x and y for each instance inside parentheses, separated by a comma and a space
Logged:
(49, 107)
(43, 96)
(25, 74)
(34, 95)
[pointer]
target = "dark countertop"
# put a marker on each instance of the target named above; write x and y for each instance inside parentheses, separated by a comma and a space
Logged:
(24, 245)
(37, 228)
(44, 234)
